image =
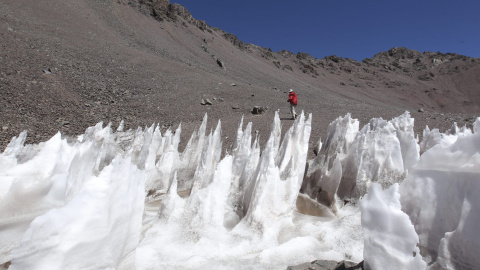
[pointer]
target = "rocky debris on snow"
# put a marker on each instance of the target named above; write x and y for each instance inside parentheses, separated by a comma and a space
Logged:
(328, 265)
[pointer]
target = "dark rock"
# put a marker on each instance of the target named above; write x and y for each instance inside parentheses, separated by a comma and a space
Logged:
(334, 58)
(205, 49)
(267, 53)
(426, 77)
(328, 265)
(347, 69)
(402, 53)
(220, 63)
(235, 41)
(303, 56)
(306, 68)
(259, 110)
(162, 10)
(286, 54)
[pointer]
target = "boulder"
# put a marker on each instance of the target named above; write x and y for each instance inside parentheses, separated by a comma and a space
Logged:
(220, 63)
(206, 101)
(259, 110)
(328, 265)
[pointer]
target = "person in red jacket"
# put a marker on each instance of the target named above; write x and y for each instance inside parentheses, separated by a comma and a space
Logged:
(292, 98)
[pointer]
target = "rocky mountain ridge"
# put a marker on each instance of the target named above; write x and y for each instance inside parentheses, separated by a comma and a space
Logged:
(402, 61)
(393, 59)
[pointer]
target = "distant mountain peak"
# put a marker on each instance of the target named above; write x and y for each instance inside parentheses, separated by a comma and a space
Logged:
(163, 10)
(398, 53)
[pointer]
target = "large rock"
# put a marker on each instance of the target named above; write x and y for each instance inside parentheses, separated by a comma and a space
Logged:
(328, 265)
(259, 110)
(206, 101)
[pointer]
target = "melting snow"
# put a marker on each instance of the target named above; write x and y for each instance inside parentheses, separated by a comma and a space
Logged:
(130, 200)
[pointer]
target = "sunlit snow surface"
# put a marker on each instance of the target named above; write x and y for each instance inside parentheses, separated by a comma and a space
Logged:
(130, 200)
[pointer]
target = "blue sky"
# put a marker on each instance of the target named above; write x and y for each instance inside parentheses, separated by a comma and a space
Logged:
(354, 29)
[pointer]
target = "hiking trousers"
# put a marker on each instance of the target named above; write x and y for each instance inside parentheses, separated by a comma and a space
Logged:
(292, 111)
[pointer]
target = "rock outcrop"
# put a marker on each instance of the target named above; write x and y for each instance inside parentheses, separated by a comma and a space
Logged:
(328, 265)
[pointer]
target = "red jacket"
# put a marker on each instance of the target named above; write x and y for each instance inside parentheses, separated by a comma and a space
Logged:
(292, 98)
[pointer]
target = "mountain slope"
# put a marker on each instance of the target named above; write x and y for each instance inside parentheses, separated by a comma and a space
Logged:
(69, 64)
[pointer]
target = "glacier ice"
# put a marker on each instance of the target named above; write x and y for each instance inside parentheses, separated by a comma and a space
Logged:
(387, 246)
(131, 200)
(441, 196)
(352, 158)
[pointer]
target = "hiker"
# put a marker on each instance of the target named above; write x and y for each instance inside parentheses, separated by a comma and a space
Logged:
(292, 98)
